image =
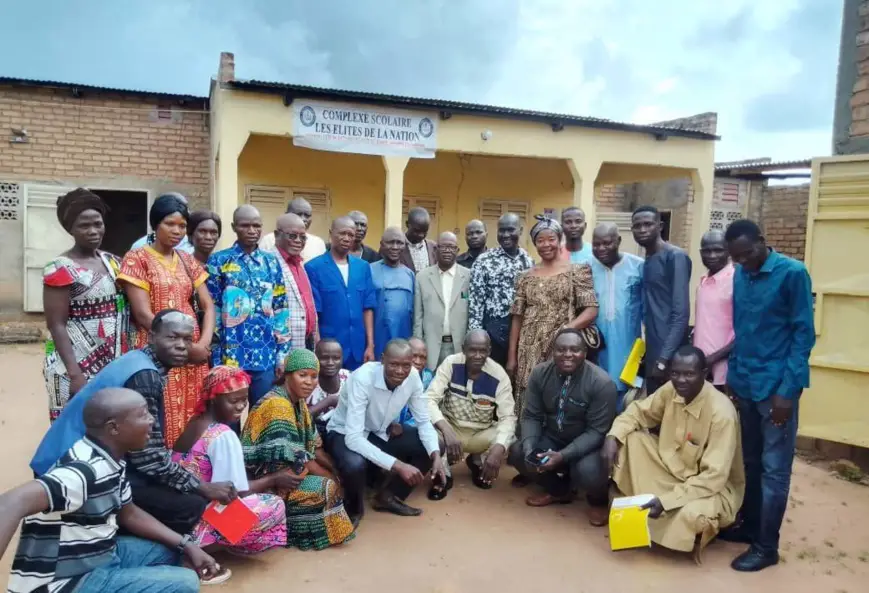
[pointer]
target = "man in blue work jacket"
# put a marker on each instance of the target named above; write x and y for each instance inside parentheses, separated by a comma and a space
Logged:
(344, 295)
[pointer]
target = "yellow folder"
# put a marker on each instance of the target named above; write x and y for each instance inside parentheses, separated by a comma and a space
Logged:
(629, 524)
(632, 364)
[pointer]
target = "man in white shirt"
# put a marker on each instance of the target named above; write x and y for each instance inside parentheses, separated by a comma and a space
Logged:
(357, 436)
(315, 246)
(440, 310)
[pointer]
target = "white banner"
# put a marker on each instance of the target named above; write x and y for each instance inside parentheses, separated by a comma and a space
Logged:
(344, 127)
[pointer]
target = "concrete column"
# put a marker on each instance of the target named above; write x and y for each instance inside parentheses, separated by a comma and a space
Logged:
(394, 190)
(227, 194)
(584, 172)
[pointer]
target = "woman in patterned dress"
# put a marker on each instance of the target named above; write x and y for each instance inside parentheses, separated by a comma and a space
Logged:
(158, 277)
(209, 449)
(280, 433)
(85, 310)
(551, 295)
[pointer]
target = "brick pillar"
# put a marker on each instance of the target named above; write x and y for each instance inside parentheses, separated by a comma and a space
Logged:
(226, 71)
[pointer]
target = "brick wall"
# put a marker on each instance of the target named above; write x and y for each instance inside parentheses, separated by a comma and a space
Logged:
(105, 135)
(783, 215)
(611, 198)
(99, 139)
(860, 92)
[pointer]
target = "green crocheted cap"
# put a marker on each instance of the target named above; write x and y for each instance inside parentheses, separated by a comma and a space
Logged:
(300, 359)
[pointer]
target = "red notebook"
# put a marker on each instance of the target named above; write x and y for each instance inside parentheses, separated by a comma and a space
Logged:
(232, 521)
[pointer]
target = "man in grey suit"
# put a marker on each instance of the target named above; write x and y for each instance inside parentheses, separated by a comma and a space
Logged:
(440, 311)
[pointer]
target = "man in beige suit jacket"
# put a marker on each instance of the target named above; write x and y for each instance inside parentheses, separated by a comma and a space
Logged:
(440, 311)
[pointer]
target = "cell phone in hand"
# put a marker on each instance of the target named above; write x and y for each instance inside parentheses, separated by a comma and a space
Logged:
(533, 458)
(299, 462)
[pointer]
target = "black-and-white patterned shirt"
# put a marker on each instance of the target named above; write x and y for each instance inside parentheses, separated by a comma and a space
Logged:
(86, 489)
(493, 284)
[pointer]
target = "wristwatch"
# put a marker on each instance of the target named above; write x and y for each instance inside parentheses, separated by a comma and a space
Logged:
(661, 366)
(185, 541)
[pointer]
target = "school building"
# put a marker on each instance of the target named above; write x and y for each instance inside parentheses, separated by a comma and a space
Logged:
(382, 154)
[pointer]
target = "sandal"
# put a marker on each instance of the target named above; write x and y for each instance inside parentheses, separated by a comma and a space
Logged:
(223, 575)
(477, 475)
(439, 491)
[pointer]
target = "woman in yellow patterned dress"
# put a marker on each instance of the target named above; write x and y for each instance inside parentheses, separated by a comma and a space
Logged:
(159, 277)
(280, 435)
(551, 295)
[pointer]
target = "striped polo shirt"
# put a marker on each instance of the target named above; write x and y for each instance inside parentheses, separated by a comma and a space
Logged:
(86, 489)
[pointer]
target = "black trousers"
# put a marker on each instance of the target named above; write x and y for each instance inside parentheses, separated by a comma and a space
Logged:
(179, 511)
(586, 473)
(353, 468)
(499, 353)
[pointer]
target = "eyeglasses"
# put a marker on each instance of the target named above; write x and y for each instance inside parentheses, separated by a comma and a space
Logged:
(293, 236)
(448, 248)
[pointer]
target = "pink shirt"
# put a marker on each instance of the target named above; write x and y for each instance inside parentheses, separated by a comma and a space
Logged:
(713, 322)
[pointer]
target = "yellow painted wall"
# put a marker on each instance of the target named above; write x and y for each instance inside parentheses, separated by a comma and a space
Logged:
(354, 181)
(239, 115)
(461, 182)
(835, 407)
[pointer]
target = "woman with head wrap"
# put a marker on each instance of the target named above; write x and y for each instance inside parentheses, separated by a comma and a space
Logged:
(280, 437)
(551, 295)
(210, 450)
(159, 277)
(204, 229)
(85, 310)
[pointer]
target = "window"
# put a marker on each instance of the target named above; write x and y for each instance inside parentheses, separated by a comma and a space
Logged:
(272, 200)
(10, 200)
(492, 210)
(432, 206)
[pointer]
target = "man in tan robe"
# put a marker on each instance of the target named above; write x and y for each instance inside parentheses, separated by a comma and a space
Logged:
(694, 468)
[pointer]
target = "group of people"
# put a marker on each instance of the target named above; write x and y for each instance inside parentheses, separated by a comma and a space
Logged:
(373, 369)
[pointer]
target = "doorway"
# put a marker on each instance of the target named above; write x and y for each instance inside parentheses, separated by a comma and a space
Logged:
(127, 219)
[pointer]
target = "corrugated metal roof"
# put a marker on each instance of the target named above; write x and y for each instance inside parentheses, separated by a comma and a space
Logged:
(764, 165)
(556, 120)
(88, 87)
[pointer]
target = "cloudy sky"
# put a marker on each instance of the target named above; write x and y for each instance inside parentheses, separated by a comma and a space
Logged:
(768, 68)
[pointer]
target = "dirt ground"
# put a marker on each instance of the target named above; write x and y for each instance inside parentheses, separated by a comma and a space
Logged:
(475, 540)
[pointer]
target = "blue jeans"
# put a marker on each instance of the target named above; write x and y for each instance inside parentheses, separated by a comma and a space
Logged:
(261, 383)
(768, 451)
(140, 566)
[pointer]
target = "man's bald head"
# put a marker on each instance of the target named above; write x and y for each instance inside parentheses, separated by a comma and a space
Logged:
(605, 243)
(342, 235)
(713, 251)
(392, 233)
(301, 208)
(248, 226)
(110, 404)
(119, 418)
(606, 229)
(713, 236)
(475, 235)
(447, 250)
(291, 233)
(392, 245)
(289, 222)
(510, 218)
(245, 211)
(418, 222)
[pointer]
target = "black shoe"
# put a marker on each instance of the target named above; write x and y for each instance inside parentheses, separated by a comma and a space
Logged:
(753, 560)
(736, 535)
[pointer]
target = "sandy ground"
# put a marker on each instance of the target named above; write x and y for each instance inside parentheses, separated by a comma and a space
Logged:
(476, 540)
